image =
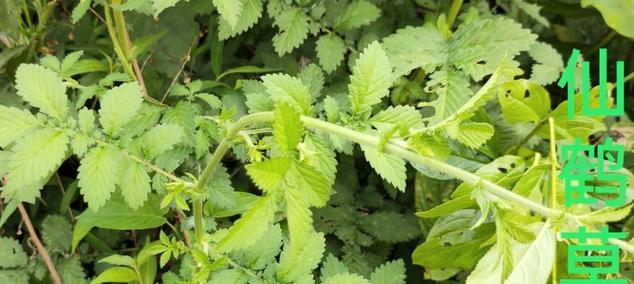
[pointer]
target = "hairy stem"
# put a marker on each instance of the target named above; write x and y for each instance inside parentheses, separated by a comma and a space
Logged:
(38, 245)
(394, 147)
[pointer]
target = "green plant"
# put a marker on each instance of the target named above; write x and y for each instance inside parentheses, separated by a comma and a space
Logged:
(171, 160)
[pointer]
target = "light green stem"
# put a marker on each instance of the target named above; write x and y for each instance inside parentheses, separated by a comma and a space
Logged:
(395, 147)
(116, 41)
(453, 12)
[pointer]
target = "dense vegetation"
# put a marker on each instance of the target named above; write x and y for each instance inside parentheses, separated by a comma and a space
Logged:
(298, 141)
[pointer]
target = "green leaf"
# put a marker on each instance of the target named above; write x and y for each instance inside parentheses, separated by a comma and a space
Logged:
(287, 128)
(321, 156)
(57, 233)
(11, 254)
(115, 275)
(289, 89)
(312, 76)
(357, 14)
(142, 44)
(293, 25)
(264, 251)
(331, 267)
(472, 134)
(532, 10)
(251, 226)
(229, 10)
(229, 276)
(453, 205)
(70, 270)
(35, 157)
(523, 101)
(488, 41)
(251, 12)
(268, 175)
(121, 260)
(43, 89)
(537, 260)
(115, 214)
(69, 62)
(606, 215)
(247, 69)
(371, 79)
(134, 183)
(383, 224)
(616, 13)
(549, 63)
(14, 124)
(161, 138)
(80, 10)
(392, 272)
(98, 173)
(410, 48)
(313, 184)
(299, 218)
(330, 50)
(80, 143)
(296, 263)
(159, 5)
(389, 167)
(347, 278)
(406, 117)
(118, 106)
(453, 90)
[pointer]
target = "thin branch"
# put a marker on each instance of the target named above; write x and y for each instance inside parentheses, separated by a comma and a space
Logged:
(38, 245)
(184, 61)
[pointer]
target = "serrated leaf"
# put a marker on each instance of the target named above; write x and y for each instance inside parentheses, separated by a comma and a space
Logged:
(392, 272)
(330, 50)
(371, 79)
(296, 263)
(313, 78)
(476, 47)
(11, 253)
(299, 218)
(86, 120)
(259, 255)
(357, 14)
(69, 62)
(269, 174)
(323, 158)
(313, 184)
(33, 160)
(389, 167)
(410, 48)
(134, 184)
(331, 267)
(80, 10)
(70, 270)
(161, 138)
(251, 13)
(183, 115)
(157, 5)
(452, 88)
(532, 10)
(98, 173)
(229, 10)
(537, 260)
(549, 63)
(229, 276)
(348, 278)
(57, 233)
(293, 25)
(288, 89)
(43, 89)
(471, 134)
(404, 116)
(287, 128)
(118, 106)
(382, 226)
(251, 226)
(14, 124)
(80, 143)
(115, 214)
(523, 101)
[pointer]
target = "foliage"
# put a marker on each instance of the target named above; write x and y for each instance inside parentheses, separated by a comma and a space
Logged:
(296, 141)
